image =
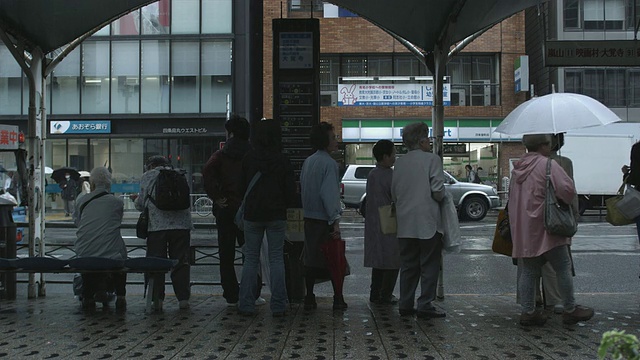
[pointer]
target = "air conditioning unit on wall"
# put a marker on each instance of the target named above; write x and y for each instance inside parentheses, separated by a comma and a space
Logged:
(458, 97)
(328, 98)
(480, 92)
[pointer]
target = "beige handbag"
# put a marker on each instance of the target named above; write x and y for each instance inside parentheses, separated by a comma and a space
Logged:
(388, 223)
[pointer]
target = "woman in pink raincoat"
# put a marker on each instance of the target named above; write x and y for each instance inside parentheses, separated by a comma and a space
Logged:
(533, 246)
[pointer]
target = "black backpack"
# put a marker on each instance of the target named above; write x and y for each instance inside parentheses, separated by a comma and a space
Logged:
(171, 190)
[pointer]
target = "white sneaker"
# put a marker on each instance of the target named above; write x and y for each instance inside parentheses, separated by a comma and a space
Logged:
(183, 304)
(260, 301)
(232, 304)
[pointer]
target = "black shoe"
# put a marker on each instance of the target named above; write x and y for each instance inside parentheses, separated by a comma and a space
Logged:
(310, 302)
(279, 314)
(407, 312)
(430, 314)
(338, 303)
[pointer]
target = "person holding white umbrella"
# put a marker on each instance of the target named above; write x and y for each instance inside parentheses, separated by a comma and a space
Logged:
(533, 246)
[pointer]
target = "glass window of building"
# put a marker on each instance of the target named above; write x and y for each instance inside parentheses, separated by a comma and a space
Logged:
(10, 83)
(598, 14)
(305, 5)
(474, 80)
(95, 77)
(65, 85)
(409, 66)
(128, 24)
(125, 68)
(185, 68)
(354, 66)
(104, 31)
(78, 154)
(217, 16)
(614, 87)
(127, 161)
(216, 75)
(185, 17)
(56, 153)
(380, 66)
(329, 72)
(99, 153)
(155, 76)
(634, 88)
(155, 18)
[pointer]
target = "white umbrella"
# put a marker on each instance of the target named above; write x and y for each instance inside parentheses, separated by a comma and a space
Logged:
(84, 173)
(48, 170)
(556, 113)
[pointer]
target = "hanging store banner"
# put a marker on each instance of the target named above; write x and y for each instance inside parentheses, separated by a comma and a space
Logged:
(80, 127)
(390, 95)
(592, 53)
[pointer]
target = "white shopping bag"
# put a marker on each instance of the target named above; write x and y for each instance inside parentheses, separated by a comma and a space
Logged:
(451, 240)
(264, 262)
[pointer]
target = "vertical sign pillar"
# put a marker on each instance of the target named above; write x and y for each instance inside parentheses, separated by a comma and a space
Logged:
(296, 104)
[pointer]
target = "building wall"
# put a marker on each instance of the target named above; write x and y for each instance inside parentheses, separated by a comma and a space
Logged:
(357, 35)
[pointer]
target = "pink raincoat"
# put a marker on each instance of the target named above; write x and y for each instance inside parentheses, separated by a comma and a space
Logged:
(526, 204)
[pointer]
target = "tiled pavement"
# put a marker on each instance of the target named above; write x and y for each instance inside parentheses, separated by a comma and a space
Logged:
(476, 327)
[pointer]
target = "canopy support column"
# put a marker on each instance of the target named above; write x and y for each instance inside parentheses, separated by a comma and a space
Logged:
(33, 69)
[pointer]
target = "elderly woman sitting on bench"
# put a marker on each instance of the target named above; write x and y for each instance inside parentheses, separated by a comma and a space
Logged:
(98, 217)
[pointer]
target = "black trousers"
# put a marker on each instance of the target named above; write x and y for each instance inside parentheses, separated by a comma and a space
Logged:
(383, 281)
(93, 283)
(228, 236)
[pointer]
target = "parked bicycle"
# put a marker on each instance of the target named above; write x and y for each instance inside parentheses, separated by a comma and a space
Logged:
(203, 206)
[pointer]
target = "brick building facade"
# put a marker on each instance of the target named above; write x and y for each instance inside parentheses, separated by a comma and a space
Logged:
(354, 36)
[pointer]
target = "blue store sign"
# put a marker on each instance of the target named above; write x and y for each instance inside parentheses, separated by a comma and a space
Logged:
(80, 127)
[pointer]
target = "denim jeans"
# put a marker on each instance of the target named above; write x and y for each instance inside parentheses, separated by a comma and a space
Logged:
(253, 235)
(560, 260)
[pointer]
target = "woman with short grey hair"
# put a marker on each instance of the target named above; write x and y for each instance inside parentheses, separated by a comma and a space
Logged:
(413, 134)
(98, 217)
(100, 178)
(417, 189)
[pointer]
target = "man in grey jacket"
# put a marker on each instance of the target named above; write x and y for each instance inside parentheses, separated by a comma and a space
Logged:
(169, 233)
(98, 216)
(417, 189)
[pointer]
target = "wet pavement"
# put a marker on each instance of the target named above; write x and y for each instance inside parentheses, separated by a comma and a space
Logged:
(481, 323)
(476, 327)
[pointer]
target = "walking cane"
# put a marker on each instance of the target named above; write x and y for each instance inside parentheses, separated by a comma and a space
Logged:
(440, 291)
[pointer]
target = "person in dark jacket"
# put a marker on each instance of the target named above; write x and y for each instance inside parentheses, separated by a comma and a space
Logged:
(69, 191)
(632, 175)
(222, 177)
(266, 212)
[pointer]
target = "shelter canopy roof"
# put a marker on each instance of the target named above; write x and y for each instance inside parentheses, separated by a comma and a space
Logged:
(50, 24)
(422, 22)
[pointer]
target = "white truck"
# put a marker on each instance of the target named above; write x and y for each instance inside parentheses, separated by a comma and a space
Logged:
(598, 154)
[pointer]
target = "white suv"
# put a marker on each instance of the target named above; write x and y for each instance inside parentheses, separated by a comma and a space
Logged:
(473, 201)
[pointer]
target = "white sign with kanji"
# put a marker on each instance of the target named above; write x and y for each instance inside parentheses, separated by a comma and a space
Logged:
(9, 137)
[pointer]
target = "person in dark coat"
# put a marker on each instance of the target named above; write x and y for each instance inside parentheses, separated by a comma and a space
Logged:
(381, 252)
(222, 177)
(69, 191)
(266, 212)
(632, 175)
